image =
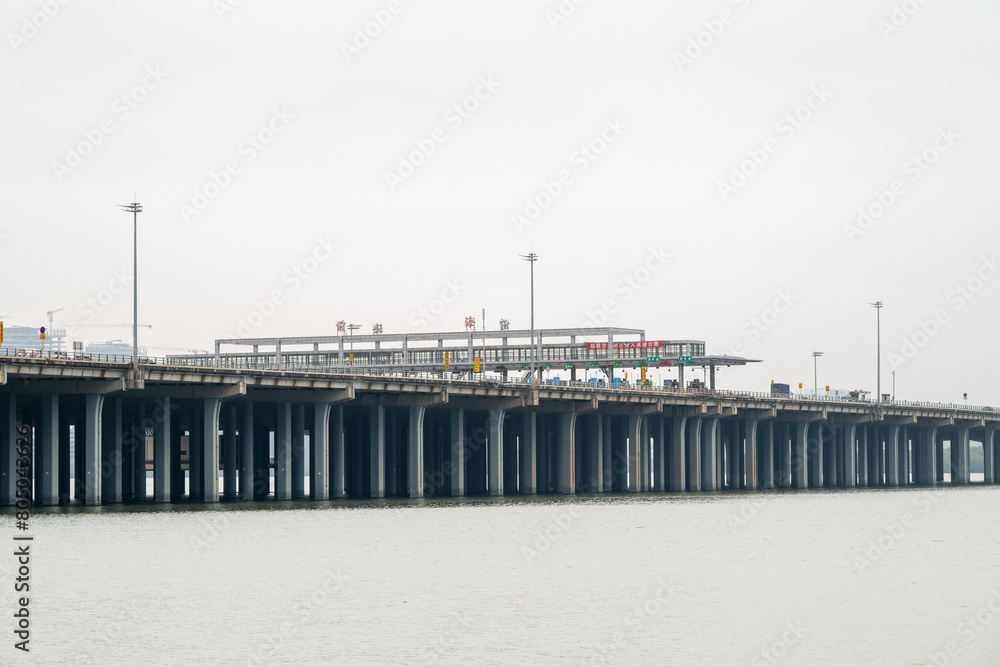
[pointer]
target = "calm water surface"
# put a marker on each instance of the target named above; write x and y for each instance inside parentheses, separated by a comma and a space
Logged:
(884, 577)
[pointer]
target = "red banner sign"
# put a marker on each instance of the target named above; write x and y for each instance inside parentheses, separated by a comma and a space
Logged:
(637, 345)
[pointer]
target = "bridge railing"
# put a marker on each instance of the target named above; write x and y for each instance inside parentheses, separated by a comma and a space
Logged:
(237, 363)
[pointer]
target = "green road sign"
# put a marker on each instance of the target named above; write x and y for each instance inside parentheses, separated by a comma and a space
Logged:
(653, 360)
(684, 358)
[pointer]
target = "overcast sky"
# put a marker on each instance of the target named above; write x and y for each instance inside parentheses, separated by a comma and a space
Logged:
(692, 169)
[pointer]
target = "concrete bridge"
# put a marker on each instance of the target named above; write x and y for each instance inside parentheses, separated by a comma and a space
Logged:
(376, 436)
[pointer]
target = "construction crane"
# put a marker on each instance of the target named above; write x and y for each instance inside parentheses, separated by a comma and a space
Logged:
(51, 313)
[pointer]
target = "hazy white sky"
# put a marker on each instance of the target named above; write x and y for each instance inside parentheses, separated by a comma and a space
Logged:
(692, 169)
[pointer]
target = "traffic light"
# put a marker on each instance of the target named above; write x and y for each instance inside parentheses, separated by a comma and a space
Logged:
(475, 365)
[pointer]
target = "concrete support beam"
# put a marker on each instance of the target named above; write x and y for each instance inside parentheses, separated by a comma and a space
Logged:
(960, 456)
(850, 455)
(177, 480)
(337, 446)
(319, 452)
(112, 452)
(415, 447)
(989, 457)
(162, 459)
(298, 451)
(137, 452)
(926, 457)
(246, 451)
(529, 453)
(799, 444)
(230, 454)
(283, 452)
(765, 456)
(644, 451)
(594, 446)
(92, 451)
(567, 453)
(65, 497)
(694, 453)
(495, 454)
(457, 436)
(862, 456)
(393, 455)
(904, 456)
(8, 449)
(710, 438)
(634, 446)
(814, 456)
(892, 455)
(607, 454)
(659, 456)
(210, 449)
(734, 456)
(47, 455)
(377, 450)
(748, 456)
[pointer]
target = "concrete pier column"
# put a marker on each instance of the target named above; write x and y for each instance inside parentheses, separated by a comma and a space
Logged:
(246, 451)
(903, 453)
(92, 451)
(195, 433)
(567, 453)
(283, 452)
(510, 455)
(528, 453)
(8, 449)
(47, 455)
(298, 462)
(879, 461)
(261, 457)
(710, 437)
(693, 441)
(850, 454)
(748, 456)
(177, 480)
(607, 454)
(634, 445)
(659, 455)
(799, 445)
(230, 455)
(392, 454)
(210, 450)
(162, 460)
(735, 456)
(989, 457)
(814, 457)
(927, 473)
(831, 475)
(862, 456)
(377, 450)
(319, 452)
(137, 447)
(65, 422)
(337, 446)
(765, 455)
(593, 435)
(892, 456)
(960, 456)
(939, 456)
(111, 451)
(415, 451)
(456, 435)
(495, 454)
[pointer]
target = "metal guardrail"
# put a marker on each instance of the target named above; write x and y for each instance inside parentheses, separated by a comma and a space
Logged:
(367, 372)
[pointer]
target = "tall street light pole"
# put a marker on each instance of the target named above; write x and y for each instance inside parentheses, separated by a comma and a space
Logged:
(878, 346)
(135, 208)
(532, 258)
(816, 355)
